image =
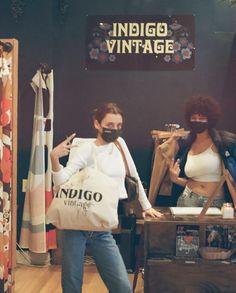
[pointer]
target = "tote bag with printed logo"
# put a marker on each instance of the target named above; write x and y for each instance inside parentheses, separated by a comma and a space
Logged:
(87, 201)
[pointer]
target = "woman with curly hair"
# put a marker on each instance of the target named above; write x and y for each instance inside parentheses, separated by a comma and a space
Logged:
(199, 162)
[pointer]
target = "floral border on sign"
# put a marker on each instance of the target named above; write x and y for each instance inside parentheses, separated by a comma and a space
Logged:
(97, 47)
(183, 46)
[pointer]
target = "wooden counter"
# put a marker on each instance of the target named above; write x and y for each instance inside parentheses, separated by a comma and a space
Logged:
(166, 273)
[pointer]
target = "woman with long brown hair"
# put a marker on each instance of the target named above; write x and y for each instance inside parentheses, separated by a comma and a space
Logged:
(108, 122)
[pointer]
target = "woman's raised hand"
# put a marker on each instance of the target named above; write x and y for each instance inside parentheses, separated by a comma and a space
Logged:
(63, 148)
(174, 170)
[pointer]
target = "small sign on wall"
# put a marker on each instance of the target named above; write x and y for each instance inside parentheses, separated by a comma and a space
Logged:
(140, 42)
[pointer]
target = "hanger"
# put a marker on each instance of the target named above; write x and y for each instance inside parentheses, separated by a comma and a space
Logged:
(7, 47)
(160, 134)
(44, 68)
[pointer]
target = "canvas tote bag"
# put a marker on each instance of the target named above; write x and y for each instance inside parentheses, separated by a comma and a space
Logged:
(87, 201)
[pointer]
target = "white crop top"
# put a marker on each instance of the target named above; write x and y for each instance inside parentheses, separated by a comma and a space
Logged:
(205, 167)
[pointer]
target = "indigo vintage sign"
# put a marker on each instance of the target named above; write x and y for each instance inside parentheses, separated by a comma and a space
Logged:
(140, 42)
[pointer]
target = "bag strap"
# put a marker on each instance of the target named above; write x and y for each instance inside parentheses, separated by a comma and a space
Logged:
(118, 145)
(213, 194)
(94, 155)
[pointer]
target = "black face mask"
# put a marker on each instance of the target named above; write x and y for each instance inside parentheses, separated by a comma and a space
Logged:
(110, 135)
(197, 126)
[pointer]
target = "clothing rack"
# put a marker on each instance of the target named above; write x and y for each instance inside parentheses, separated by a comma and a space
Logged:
(158, 135)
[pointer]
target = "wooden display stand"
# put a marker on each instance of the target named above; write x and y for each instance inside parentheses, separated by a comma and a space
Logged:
(164, 272)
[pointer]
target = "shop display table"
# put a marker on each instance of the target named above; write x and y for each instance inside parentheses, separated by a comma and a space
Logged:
(164, 272)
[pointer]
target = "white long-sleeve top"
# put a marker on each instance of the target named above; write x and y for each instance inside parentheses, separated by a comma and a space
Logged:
(109, 161)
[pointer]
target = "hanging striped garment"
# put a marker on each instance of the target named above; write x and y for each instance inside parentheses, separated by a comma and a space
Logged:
(39, 185)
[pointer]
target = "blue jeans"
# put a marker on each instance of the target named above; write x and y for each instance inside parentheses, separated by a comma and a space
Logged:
(192, 199)
(107, 257)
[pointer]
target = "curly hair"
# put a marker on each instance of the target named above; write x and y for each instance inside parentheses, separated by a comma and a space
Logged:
(205, 105)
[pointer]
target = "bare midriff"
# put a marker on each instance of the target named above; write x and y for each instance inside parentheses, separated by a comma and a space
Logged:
(204, 188)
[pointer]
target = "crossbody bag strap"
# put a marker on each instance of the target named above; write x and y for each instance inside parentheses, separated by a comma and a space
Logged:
(213, 194)
(118, 145)
(94, 155)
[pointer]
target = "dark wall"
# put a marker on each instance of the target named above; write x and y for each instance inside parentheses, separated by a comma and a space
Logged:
(149, 98)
